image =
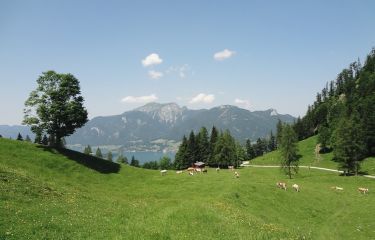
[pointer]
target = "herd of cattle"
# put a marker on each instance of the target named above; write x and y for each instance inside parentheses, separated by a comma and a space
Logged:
(282, 185)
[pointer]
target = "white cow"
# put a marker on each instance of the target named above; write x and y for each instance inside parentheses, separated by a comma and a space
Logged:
(337, 188)
(295, 187)
(179, 172)
(163, 172)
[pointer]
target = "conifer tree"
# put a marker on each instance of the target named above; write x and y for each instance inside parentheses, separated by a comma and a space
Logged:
(45, 140)
(288, 150)
(38, 137)
(98, 153)
(109, 156)
(213, 139)
(181, 158)
(225, 150)
(19, 137)
(279, 127)
(272, 142)
(122, 159)
(192, 149)
(134, 162)
(88, 150)
(203, 145)
(349, 146)
(27, 139)
(250, 154)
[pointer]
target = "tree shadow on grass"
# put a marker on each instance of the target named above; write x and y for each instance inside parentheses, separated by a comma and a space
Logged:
(97, 164)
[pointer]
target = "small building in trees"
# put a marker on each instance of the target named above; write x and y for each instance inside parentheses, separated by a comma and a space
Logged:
(199, 165)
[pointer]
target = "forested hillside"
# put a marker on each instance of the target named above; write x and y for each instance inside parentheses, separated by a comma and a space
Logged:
(343, 115)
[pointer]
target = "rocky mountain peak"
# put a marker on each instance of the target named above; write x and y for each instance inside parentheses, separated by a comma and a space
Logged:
(168, 112)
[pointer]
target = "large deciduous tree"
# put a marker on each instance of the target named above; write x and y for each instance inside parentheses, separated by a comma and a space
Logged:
(56, 106)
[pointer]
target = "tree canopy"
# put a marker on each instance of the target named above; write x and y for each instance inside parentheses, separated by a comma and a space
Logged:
(56, 106)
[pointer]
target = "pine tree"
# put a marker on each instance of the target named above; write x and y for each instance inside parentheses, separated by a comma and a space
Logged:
(323, 138)
(349, 147)
(109, 156)
(122, 159)
(88, 150)
(27, 139)
(38, 138)
(272, 142)
(19, 137)
(98, 153)
(45, 140)
(203, 146)
(259, 147)
(225, 150)
(279, 128)
(181, 158)
(250, 154)
(213, 140)
(240, 154)
(192, 149)
(134, 162)
(288, 150)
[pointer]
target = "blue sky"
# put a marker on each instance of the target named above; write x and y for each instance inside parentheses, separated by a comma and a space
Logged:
(270, 54)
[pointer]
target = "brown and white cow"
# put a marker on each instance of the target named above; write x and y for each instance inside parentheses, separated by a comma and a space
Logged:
(363, 190)
(281, 185)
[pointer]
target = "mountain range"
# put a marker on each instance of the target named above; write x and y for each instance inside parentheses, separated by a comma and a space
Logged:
(157, 127)
(169, 122)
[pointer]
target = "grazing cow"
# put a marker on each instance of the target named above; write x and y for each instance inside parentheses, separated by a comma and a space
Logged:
(179, 172)
(363, 190)
(337, 188)
(217, 169)
(204, 171)
(198, 170)
(236, 174)
(295, 187)
(281, 185)
(163, 172)
(231, 168)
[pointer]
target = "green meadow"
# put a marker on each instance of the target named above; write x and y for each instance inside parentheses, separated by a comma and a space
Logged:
(50, 194)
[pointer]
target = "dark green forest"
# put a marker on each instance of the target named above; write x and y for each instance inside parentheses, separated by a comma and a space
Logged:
(343, 115)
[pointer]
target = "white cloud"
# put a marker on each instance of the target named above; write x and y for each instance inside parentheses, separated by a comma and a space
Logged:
(242, 103)
(154, 74)
(220, 56)
(152, 59)
(182, 71)
(140, 99)
(203, 98)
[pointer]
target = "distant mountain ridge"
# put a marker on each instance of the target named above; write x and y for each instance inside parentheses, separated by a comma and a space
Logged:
(154, 122)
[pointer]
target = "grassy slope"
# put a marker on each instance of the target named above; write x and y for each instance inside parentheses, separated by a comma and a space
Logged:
(306, 150)
(46, 195)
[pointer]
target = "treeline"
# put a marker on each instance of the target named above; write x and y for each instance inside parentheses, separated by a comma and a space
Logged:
(343, 115)
(219, 149)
